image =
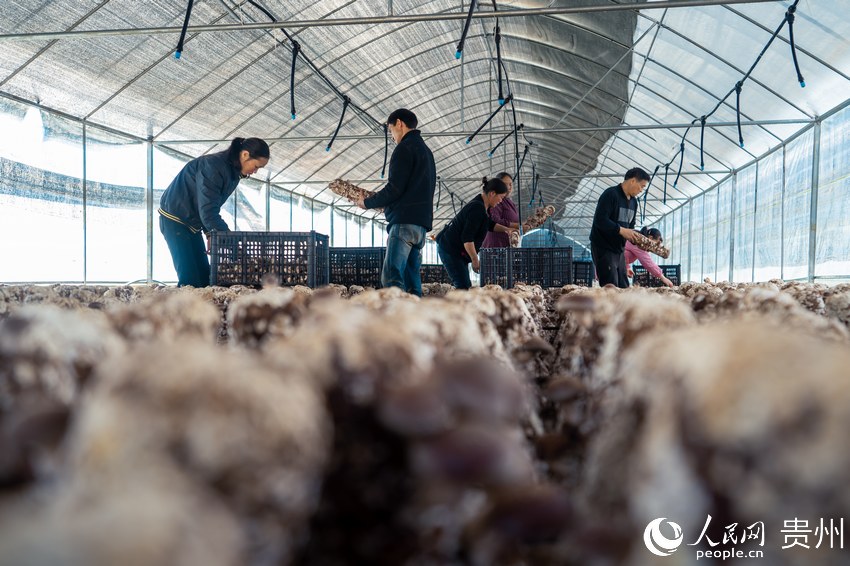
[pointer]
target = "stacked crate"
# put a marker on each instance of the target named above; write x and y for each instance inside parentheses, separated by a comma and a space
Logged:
(583, 273)
(547, 267)
(255, 258)
(645, 279)
(357, 266)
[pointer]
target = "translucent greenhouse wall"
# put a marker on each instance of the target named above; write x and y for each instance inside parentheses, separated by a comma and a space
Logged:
(78, 204)
(758, 224)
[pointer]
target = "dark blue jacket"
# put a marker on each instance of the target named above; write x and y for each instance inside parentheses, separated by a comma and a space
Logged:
(614, 210)
(408, 197)
(197, 193)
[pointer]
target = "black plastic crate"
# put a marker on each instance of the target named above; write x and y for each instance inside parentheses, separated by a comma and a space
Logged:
(434, 273)
(547, 267)
(583, 273)
(357, 266)
(644, 279)
(494, 267)
(247, 258)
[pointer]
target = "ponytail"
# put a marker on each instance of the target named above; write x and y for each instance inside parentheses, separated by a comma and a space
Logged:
(256, 148)
(494, 185)
(653, 233)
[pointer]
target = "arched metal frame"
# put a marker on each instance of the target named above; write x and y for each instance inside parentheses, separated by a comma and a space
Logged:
(528, 78)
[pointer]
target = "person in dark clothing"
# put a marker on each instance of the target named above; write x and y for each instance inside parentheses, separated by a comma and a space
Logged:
(613, 224)
(458, 243)
(408, 203)
(192, 204)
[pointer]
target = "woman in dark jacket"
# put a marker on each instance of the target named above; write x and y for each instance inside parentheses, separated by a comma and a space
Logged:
(458, 243)
(192, 204)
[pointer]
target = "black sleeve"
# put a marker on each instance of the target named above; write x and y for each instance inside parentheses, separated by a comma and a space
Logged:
(475, 218)
(401, 166)
(210, 187)
(606, 210)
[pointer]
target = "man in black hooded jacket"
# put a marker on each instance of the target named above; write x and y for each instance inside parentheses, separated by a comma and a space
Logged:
(408, 203)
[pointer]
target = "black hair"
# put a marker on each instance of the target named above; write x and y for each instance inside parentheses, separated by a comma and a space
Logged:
(504, 174)
(495, 185)
(406, 116)
(653, 233)
(637, 173)
(256, 148)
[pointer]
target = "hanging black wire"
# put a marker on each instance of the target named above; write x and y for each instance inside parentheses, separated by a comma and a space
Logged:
(296, 47)
(465, 30)
(738, 87)
(524, 155)
(498, 36)
(534, 179)
(509, 134)
(179, 51)
(518, 178)
(666, 169)
(646, 193)
(439, 192)
(386, 149)
(789, 19)
(681, 160)
(368, 119)
(454, 209)
(345, 102)
(487, 121)
(701, 143)
(535, 186)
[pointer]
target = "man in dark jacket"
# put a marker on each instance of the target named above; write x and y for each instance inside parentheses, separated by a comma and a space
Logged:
(408, 203)
(613, 224)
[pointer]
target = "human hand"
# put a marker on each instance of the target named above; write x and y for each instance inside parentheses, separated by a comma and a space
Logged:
(476, 265)
(667, 282)
(360, 202)
(629, 234)
(629, 272)
(209, 242)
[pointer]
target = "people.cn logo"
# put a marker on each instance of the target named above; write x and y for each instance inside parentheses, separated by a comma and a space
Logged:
(659, 544)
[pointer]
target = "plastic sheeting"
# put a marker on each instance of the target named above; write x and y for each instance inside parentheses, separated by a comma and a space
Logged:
(833, 229)
(653, 67)
(796, 213)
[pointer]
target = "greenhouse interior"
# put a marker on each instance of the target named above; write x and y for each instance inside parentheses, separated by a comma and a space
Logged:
(347, 375)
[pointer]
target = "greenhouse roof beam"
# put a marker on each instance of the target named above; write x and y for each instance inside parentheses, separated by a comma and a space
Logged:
(379, 20)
